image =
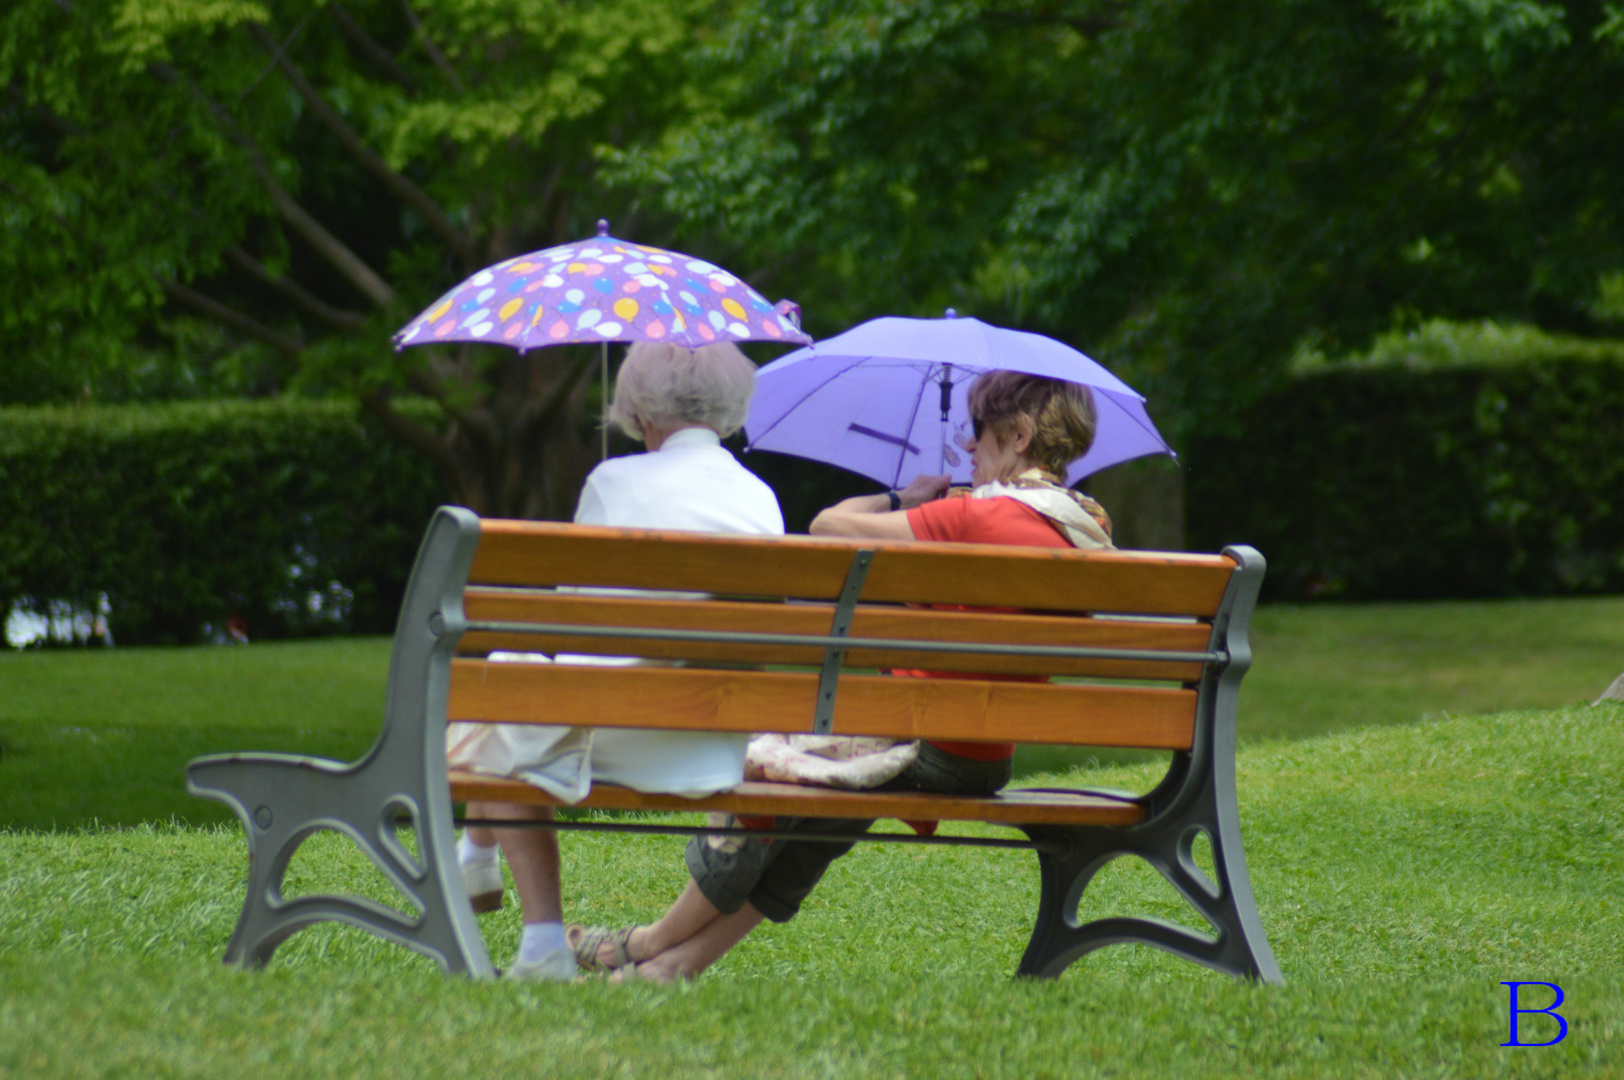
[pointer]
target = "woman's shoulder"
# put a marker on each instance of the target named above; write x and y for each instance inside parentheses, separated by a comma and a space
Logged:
(626, 464)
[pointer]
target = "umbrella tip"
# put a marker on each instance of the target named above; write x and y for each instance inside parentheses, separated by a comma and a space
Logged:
(950, 314)
(603, 226)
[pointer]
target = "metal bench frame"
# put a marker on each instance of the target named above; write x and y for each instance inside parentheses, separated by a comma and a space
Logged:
(282, 799)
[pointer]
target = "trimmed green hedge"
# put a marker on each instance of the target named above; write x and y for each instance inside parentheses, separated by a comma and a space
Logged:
(293, 515)
(1419, 480)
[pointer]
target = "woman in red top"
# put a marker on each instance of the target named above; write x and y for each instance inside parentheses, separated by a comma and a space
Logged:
(1024, 433)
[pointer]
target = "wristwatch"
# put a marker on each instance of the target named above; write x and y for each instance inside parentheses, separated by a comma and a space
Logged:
(896, 500)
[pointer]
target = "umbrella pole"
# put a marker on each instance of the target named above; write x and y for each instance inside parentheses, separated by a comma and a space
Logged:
(603, 447)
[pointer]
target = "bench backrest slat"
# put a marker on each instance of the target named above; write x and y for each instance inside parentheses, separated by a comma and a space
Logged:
(870, 621)
(727, 605)
(900, 708)
(1054, 579)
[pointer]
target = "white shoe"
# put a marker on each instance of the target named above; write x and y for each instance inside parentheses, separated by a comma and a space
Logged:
(484, 884)
(556, 966)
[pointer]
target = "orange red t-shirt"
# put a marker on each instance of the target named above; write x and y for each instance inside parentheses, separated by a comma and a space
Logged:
(965, 520)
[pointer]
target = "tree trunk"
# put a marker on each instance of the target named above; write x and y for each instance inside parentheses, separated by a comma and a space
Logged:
(531, 461)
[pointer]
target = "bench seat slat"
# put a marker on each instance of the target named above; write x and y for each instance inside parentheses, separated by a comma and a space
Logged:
(538, 553)
(872, 621)
(1011, 807)
(749, 701)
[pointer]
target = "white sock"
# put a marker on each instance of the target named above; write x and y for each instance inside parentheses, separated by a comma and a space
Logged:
(541, 938)
(472, 854)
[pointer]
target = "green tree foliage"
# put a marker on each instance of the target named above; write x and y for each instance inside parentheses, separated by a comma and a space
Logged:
(268, 189)
(1193, 190)
(208, 195)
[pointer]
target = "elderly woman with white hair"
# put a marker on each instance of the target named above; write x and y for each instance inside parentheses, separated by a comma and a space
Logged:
(680, 403)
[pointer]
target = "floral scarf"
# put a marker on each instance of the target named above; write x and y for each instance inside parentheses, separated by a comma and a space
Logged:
(1083, 521)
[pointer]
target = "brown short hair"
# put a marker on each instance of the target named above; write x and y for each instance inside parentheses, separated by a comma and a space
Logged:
(1058, 415)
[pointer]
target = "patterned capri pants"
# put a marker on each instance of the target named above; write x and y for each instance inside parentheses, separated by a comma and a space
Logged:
(775, 875)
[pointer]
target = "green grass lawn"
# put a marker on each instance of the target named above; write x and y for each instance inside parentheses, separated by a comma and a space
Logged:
(1328, 668)
(1402, 872)
(97, 735)
(104, 735)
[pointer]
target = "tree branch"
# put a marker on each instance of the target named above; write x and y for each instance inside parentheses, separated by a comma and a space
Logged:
(402, 188)
(337, 318)
(1088, 27)
(60, 124)
(480, 427)
(330, 247)
(410, 432)
(229, 317)
(538, 412)
(327, 245)
(432, 49)
(275, 53)
(549, 184)
(370, 48)
(763, 275)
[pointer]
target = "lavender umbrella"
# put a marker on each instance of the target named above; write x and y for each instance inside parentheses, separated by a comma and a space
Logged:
(883, 399)
(602, 290)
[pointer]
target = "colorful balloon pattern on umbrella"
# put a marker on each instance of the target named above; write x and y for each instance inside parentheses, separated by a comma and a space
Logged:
(601, 290)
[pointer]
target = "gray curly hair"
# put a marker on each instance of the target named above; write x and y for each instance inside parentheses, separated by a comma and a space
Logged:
(667, 386)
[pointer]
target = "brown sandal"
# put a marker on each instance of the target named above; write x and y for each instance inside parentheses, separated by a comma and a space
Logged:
(588, 941)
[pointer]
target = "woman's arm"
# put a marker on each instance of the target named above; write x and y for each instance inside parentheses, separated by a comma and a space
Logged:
(871, 516)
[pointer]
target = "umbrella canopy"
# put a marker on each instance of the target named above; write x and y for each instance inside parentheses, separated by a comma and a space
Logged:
(884, 398)
(602, 290)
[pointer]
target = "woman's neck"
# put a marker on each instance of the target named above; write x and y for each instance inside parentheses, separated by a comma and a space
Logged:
(654, 437)
(1013, 471)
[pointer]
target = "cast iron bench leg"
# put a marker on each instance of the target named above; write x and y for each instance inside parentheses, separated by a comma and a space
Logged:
(1077, 853)
(283, 799)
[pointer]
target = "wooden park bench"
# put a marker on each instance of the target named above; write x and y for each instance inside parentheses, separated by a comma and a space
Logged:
(793, 635)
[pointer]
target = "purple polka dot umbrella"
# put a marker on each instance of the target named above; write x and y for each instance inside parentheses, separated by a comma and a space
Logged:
(602, 290)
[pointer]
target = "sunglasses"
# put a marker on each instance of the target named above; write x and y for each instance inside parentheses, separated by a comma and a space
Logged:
(969, 432)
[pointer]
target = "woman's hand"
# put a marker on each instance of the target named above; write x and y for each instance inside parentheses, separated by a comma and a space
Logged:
(923, 489)
(872, 516)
